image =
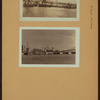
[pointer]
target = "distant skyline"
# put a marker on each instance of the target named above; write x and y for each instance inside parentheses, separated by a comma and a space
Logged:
(65, 1)
(59, 39)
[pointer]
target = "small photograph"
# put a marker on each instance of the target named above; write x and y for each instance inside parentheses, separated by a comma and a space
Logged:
(49, 47)
(49, 10)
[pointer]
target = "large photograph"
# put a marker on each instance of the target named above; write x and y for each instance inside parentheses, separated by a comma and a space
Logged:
(50, 10)
(49, 46)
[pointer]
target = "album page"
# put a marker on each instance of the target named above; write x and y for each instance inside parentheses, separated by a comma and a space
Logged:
(49, 49)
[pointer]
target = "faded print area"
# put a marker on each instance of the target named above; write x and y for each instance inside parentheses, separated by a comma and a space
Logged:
(50, 8)
(48, 47)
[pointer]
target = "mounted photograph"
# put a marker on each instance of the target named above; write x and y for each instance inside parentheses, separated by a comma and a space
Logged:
(49, 47)
(49, 10)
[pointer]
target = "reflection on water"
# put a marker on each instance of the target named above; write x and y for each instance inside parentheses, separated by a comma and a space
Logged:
(48, 12)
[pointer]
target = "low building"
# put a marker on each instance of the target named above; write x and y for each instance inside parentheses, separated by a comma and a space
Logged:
(69, 51)
(61, 53)
(49, 53)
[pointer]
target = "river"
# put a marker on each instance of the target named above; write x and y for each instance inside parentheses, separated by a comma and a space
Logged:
(48, 12)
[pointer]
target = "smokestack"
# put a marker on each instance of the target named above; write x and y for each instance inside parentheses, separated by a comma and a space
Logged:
(52, 48)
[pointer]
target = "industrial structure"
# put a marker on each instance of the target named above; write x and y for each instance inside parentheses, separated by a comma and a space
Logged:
(26, 50)
(48, 3)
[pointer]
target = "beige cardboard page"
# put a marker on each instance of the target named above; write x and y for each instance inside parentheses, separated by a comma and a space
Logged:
(50, 83)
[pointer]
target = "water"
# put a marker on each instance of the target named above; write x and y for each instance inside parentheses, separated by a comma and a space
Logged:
(48, 59)
(48, 12)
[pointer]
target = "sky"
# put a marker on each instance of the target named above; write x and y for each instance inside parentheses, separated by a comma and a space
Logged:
(59, 39)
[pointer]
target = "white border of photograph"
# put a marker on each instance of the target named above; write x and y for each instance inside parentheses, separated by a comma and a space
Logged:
(77, 43)
(48, 18)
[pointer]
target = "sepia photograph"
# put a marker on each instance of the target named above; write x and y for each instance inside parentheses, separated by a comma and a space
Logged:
(49, 10)
(49, 46)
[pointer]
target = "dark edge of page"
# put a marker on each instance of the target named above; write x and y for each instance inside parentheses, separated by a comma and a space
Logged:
(98, 49)
(1, 50)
